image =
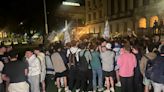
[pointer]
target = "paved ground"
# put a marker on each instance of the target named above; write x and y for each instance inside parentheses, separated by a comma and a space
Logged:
(51, 87)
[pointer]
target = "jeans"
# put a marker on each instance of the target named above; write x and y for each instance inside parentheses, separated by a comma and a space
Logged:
(158, 87)
(97, 73)
(126, 84)
(34, 83)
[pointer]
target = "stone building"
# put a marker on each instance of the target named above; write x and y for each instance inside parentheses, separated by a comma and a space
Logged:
(136, 15)
(96, 12)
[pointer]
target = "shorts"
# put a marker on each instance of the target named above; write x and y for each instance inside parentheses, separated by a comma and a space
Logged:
(62, 74)
(19, 87)
(146, 81)
(108, 74)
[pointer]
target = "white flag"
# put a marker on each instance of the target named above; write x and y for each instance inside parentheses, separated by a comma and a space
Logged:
(51, 36)
(67, 37)
(106, 30)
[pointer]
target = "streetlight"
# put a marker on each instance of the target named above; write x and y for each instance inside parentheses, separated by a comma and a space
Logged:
(70, 3)
(45, 17)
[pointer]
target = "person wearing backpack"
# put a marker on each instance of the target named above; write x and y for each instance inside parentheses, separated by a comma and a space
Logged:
(143, 63)
(60, 69)
(83, 64)
(157, 75)
(72, 55)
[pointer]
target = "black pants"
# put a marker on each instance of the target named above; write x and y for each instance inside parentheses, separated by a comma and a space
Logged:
(72, 78)
(1, 87)
(89, 78)
(81, 82)
(138, 85)
(126, 84)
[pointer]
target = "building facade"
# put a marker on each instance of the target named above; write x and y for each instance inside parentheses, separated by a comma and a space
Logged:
(137, 15)
(96, 13)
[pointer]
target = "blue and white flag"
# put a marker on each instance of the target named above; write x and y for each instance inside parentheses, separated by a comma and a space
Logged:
(106, 30)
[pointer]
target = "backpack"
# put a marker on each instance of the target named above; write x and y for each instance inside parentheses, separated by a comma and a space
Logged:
(72, 59)
(149, 68)
(83, 64)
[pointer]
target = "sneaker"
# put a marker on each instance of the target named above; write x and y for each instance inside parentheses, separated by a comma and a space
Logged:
(112, 89)
(67, 89)
(100, 89)
(59, 90)
(107, 91)
(118, 84)
(77, 90)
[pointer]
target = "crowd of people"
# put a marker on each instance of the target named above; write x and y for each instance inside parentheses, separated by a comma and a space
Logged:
(133, 64)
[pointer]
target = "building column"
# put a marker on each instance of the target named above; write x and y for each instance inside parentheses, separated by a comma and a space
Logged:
(109, 7)
(122, 5)
(116, 6)
(140, 3)
(136, 24)
(148, 21)
(151, 1)
(130, 4)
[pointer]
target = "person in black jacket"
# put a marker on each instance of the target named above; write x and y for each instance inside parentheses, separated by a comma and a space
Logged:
(157, 75)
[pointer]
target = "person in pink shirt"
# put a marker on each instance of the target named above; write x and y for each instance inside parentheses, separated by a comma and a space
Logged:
(126, 62)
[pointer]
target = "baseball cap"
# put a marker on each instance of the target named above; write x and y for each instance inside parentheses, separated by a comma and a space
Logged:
(109, 46)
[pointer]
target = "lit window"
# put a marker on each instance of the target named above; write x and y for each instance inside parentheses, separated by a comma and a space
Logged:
(142, 23)
(152, 20)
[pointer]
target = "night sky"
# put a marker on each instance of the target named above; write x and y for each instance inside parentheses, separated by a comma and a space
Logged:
(30, 12)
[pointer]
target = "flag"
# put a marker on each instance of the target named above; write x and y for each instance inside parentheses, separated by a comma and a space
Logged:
(52, 36)
(106, 30)
(67, 37)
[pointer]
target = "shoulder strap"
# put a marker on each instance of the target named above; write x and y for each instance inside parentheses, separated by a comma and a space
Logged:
(40, 63)
(146, 57)
(50, 58)
(70, 51)
(84, 53)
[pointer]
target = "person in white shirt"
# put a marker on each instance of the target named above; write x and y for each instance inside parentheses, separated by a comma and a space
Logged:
(41, 56)
(34, 71)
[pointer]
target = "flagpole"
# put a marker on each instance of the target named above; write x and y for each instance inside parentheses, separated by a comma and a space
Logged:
(45, 17)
